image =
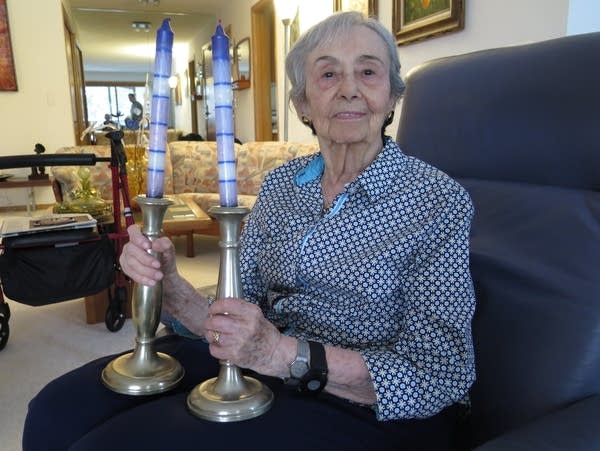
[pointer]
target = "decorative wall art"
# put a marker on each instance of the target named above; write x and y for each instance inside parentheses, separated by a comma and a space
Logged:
(419, 19)
(367, 7)
(177, 90)
(8, 78)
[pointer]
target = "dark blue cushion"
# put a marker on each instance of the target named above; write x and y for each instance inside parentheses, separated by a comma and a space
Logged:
(528, 113)
(535, 261)
(574, 428)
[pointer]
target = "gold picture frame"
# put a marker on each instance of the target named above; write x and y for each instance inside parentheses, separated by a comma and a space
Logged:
(8, 77)
(367, 7)
(414, 20)
(177, 90)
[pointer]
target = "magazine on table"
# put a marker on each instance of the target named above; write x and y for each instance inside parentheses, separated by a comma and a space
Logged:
(24, 225)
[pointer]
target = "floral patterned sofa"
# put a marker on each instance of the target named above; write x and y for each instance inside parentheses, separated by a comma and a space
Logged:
(190, 170)
(194, 166)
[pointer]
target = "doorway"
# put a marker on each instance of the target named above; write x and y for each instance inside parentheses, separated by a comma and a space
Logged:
(76, 81)
(264, 69)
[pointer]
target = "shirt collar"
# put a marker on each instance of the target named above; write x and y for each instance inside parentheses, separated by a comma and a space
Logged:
(374, 180)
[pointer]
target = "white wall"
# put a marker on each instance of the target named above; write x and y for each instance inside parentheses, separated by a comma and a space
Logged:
(584, 16)
(488, 24)
(310, 12)
(40, 111)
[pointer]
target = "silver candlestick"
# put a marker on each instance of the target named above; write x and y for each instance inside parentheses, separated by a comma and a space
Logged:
(230, 396)
(145, 371)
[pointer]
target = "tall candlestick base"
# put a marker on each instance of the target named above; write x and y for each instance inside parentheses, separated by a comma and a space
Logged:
(230, 396)
(145, 371)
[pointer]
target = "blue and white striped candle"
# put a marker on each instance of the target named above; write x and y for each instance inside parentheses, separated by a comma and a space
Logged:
(159, 111)
(224, 118)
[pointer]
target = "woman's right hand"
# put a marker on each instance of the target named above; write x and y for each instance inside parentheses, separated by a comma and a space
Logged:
(140, 265)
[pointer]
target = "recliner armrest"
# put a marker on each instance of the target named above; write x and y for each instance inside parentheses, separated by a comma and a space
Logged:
(574, 428)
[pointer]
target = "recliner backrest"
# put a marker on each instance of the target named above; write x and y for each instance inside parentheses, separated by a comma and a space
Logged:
(526, 113)
(519, 127)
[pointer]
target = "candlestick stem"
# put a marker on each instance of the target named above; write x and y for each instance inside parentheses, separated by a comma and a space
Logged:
(230, 396)
(145, 371)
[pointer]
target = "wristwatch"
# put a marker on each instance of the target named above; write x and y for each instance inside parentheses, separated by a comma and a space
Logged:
(308, 371)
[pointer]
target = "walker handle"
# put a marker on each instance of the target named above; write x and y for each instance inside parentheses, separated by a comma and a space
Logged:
(58, 159)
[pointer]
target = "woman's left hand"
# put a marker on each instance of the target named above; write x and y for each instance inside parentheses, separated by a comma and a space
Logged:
(238, 331)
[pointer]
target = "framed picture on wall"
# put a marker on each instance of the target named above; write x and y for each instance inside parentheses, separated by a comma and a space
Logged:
(367, 7)
(414, 20)
(8, 78)
(177, 90)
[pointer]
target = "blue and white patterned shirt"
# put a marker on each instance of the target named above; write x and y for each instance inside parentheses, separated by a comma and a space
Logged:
(385, 272)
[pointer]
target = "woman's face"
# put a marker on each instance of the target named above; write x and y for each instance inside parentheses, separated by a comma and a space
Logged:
(348, 88)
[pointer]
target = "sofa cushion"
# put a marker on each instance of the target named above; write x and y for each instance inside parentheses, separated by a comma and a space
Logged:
(256, 159)
(100, 174)
(195, 166)
(535, 254)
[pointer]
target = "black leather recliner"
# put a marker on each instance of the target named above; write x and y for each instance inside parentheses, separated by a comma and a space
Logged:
(519, 128)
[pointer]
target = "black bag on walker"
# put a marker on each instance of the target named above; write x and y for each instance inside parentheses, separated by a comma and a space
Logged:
(37, 274)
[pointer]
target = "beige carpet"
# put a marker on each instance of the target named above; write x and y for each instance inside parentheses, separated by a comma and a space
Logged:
(48, 341)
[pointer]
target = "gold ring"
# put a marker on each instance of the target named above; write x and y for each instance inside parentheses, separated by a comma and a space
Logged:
(216, 336)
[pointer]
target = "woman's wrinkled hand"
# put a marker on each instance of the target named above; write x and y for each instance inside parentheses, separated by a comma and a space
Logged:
(141, 266)
(238, 331)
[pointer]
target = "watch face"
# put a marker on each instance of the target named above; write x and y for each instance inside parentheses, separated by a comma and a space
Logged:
(298, 369)
(313, 385)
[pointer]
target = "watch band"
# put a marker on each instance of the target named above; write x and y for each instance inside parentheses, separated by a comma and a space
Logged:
(308, 371)
(315, 380)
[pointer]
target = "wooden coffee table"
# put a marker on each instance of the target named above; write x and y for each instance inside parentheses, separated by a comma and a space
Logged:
(184, 217)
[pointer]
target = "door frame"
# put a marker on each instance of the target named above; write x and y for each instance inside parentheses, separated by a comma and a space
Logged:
(263, 68)
(76, 81)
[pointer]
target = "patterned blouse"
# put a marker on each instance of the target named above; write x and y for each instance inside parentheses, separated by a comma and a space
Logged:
(384, 272)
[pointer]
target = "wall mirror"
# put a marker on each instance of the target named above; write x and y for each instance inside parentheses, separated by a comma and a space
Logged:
(242, 64)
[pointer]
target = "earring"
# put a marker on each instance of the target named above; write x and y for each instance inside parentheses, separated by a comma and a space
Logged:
(306, 121)
(389, 119)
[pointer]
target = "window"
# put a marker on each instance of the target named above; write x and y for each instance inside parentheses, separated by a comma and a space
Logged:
(111, 100)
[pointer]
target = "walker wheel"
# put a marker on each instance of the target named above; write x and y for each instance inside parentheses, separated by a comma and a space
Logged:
(5, 310)
(4, 328)
(114, 319)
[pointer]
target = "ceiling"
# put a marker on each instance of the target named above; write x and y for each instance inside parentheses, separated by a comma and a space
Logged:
(109, 43)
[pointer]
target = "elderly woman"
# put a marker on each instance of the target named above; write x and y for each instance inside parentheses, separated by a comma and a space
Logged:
(358, 253)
